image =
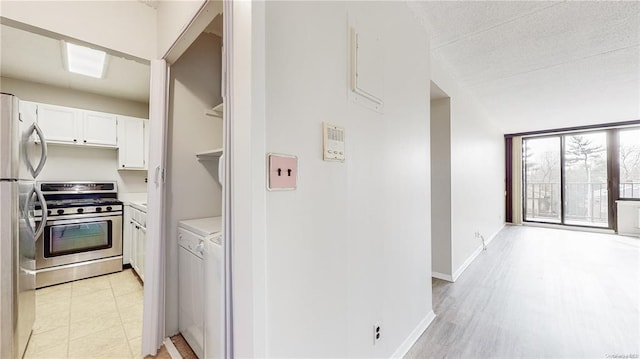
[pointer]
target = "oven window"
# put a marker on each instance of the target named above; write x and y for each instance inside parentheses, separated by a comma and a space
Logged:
(75, 238)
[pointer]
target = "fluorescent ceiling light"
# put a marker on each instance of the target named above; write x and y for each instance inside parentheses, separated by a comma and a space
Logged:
(85, 61)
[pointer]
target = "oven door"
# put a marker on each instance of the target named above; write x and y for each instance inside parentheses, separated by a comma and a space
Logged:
(79, 238)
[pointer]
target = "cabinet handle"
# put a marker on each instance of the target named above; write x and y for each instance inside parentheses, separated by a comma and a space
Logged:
(85, 141)
(122, 166)
(74, 140)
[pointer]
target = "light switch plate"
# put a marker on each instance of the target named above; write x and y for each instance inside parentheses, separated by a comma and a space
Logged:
(332, 142)
(282, 172)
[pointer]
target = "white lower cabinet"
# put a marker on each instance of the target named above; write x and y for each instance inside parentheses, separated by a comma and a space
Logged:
(141, 240)
(135, 233)
(126, 235)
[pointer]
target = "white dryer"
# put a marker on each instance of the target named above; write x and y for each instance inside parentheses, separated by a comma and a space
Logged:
(200, 284)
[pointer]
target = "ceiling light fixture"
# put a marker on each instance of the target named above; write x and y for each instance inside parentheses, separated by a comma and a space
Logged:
(84, 61)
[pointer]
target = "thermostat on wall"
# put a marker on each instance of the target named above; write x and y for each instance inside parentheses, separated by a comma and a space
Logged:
(333, 142)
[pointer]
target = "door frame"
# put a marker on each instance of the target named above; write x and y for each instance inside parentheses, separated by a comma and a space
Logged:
(244, 195)
(153, 319)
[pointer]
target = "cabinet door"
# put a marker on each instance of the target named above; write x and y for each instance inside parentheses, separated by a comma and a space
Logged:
(131, 143)
(127, 225)
(60, 124)
(99, 129)
(133, 256)
(142, 238)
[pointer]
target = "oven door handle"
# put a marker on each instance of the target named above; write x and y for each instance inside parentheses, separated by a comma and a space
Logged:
(43, 220)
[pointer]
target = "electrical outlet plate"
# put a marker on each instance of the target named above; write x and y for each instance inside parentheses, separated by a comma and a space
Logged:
(282, 172)
(377, 333)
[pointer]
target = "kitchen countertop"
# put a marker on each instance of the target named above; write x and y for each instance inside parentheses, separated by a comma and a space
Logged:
(141, 206)
(135, 200)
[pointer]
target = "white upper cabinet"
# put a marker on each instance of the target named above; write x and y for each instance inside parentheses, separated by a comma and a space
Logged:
(99, 128)
(29, 110)
(132, 143)
(74, 126)
(60, 124)
(65, 125)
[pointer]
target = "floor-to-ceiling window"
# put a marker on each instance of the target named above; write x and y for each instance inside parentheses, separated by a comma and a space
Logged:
(629, 163)
(573, 178)
(542, 179)
(585, 188)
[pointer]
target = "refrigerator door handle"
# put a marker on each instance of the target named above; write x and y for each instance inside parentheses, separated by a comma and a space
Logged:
(43, 219)
(43, 150)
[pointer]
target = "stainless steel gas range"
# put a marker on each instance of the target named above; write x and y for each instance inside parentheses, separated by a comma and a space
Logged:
(82, 236)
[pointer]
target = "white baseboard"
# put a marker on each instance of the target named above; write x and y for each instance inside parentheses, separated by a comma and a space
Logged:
(404, 348)
(629, 234)
(171, 349)
(473, 256)
(442, 276)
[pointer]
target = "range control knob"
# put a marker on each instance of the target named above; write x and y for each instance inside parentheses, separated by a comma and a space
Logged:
(48, 212)
(98, 209)
(60, 211)
(109, 209)
(80, 210)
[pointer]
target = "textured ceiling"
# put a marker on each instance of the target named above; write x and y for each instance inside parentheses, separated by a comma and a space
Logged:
(36, 58)
(540, 65)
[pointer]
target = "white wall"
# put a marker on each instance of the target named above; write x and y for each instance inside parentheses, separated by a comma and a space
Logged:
(477, 170)
(31, 91)
(351, 246)
(173, 19)
(126, 26)
(441, 186)
(192, 188)
(79, 163)
(91, 164)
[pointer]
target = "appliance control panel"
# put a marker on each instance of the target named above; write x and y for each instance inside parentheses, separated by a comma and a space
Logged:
(54, 212)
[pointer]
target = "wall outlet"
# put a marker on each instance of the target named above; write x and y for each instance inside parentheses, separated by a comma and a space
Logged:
(377, 333)
(282, 172)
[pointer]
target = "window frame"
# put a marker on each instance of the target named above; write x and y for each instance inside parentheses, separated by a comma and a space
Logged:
(613, 169)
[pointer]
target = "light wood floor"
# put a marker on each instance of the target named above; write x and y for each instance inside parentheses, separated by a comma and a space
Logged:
(540, 292)
(181, 345)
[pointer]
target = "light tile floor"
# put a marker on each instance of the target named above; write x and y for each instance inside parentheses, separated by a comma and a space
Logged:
(99, 317)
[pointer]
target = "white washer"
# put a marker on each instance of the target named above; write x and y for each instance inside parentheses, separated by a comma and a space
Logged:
(194, 238)
(214, 297)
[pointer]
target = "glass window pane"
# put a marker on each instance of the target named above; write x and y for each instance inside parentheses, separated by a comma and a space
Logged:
(630, 163)
(585, 185)
(542, 179)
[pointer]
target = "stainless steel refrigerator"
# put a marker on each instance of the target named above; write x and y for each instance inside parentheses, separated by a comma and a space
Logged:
(23, 153)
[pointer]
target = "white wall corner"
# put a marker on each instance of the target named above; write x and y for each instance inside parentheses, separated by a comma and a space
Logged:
(473, 256)
(442, 276)
(406, 345)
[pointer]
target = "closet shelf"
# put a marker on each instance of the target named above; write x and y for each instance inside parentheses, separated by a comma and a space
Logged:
(209, 155)
(216, 111)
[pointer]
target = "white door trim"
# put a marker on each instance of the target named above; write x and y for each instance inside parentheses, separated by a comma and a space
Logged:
(245, 182)
(227, 62)
(153, 327)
